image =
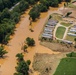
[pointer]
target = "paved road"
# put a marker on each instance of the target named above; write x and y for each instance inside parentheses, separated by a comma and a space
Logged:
(14, 6)
(65, 33)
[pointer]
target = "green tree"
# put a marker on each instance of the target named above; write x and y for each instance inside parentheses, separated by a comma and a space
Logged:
(30, 41)
(75, 43)
(31, 2)
(20, 56)
(68, 14)
(65, 5)
(2, 51)
(18, 73)
(0, 17)
(53, 3)
(15, 17)
(22, 68)
(5, 13)
(45, 3)
(67, 0)
(50, 17)
(28, 62)
(6, 39)
(1, 5)
(59, 1)
(34, 13)
(23, 5)
(6, 28)
(42, 8)
(7, 3)
(75, 39)
(24, 48)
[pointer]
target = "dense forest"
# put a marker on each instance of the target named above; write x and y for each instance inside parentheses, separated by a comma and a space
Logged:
(8, 19)
(7, 3)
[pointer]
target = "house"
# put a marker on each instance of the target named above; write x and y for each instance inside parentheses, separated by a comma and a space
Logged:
(48, 30)
(47, 35)
(72, 30)
(52, 22)
(71, 34)
(66, 41)
(49, 27)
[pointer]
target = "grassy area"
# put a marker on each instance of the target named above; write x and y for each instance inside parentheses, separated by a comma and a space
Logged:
(72, 54)
(56, 16)
(65, 24)
(70, 38)
(60, 32)
(67, 66)
(71, 5)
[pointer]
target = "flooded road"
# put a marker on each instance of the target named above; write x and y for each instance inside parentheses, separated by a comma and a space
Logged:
(22, 32)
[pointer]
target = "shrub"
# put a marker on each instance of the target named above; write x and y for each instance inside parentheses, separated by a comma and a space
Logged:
(30, 41)
(2, 51)
(28, 62)
(72, 54)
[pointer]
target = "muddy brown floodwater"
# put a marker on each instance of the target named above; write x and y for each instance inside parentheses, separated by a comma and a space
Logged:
(22, 32)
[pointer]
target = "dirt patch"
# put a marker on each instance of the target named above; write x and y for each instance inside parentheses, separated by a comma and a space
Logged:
(46, 63)
(58, 46)
(74, 3)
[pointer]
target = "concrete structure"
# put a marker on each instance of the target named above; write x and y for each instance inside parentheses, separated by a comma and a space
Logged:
(71, 34)
(66, 41)
(49, 27)
(72, 30)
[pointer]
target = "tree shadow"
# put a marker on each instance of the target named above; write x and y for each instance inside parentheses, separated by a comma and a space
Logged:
(4, 57)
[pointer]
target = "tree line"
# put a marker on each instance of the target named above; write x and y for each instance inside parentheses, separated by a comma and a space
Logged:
(8, 19)
(22, 67)
(7, 3)
(43, 6)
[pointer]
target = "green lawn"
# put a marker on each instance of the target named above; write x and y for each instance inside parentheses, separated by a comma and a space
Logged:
(67, 66)
(70, 38)
(60, 32)
(65, 24)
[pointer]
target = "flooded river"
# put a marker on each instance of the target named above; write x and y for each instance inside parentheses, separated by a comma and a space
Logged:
(22, 32)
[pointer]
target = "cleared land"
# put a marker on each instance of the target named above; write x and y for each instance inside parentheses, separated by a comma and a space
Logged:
(60, 32)
(56, 16)
(67, 66)
(65, 24)
(45, 63)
